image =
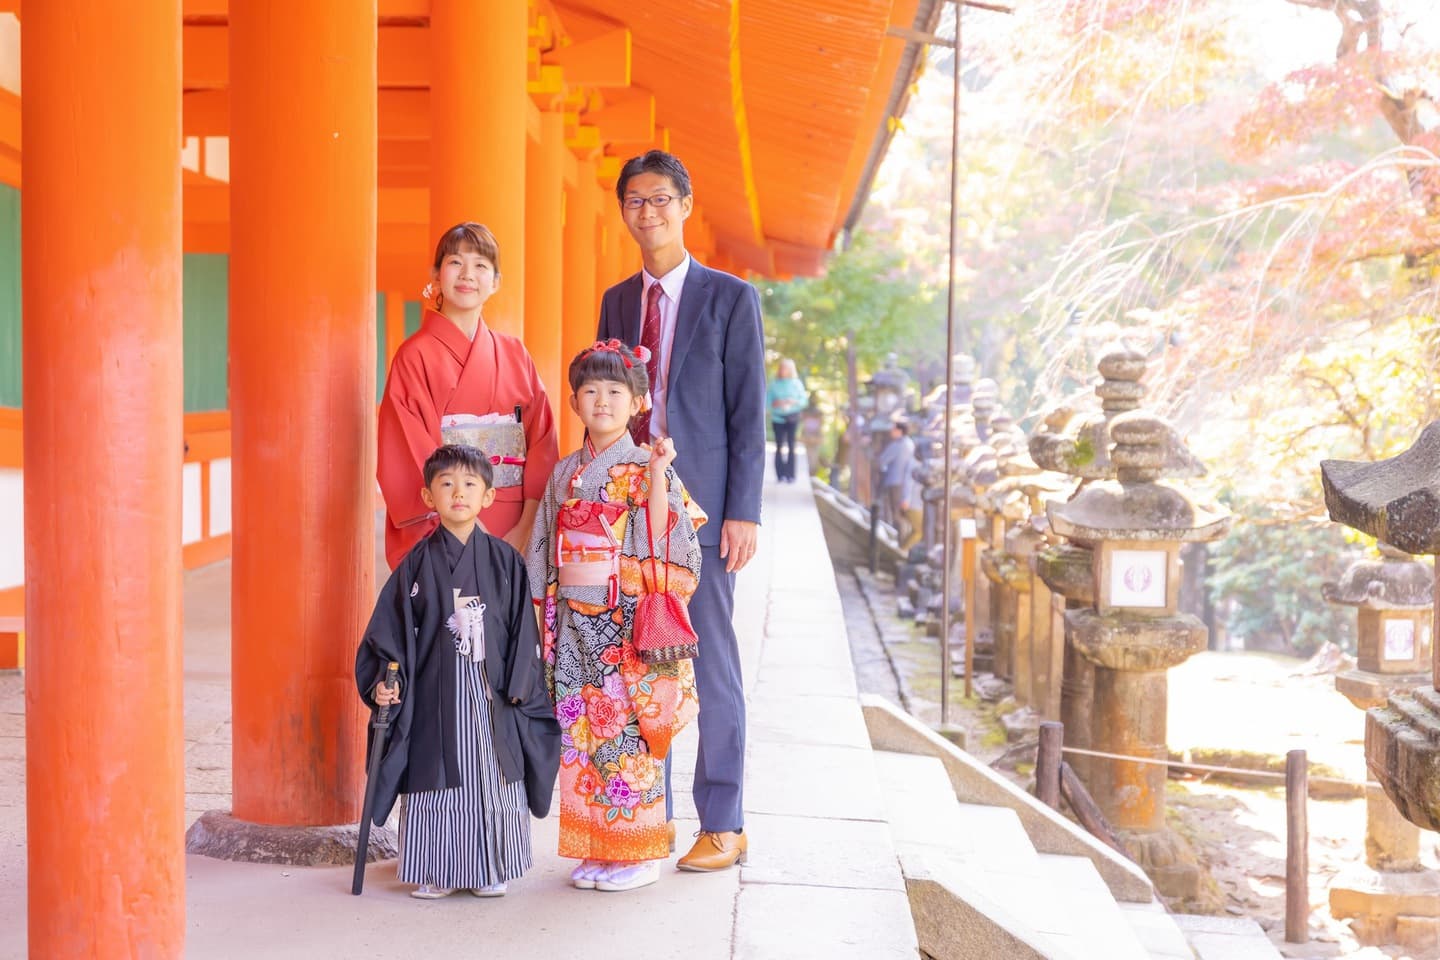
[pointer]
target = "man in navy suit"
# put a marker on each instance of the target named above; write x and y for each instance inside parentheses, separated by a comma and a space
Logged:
(708, 393)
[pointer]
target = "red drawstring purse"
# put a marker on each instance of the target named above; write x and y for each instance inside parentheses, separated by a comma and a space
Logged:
(663, 631)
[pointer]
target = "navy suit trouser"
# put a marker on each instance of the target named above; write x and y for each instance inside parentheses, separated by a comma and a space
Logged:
(720, 762)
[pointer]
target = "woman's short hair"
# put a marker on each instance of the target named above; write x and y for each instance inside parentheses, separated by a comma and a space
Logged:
(475, 237)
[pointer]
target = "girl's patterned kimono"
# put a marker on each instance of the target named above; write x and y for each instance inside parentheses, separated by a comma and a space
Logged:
(589, 564)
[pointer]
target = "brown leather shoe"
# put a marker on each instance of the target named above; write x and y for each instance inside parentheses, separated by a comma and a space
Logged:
(670, 834)
(714, 851)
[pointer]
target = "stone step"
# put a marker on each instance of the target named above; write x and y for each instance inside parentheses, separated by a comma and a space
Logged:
(892, 729)
(1157, 931)
(1226, 938)
(977, 887)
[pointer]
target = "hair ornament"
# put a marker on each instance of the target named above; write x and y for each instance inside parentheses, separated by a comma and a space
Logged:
(642, 353)
(613, 345)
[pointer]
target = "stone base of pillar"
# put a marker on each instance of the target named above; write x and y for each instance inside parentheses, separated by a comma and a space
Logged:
(219, 835)
(1168, 861)
(1389, 907)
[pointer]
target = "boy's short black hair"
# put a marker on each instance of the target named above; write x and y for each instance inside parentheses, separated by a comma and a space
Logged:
(459, 456)
(655, 161)
(609, 360)
(902, 426)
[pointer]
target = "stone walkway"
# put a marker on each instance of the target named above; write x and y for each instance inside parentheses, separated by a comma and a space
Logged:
(822, 879)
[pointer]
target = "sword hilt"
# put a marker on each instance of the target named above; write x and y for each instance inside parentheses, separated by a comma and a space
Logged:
(391, 673)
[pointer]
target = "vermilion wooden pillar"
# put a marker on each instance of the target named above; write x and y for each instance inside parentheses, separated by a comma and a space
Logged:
(581, 306)
(100, 241)
(544, 256)
(302, 391)
(478, 111)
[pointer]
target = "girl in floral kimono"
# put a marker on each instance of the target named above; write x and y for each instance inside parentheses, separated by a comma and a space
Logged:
(613, 522)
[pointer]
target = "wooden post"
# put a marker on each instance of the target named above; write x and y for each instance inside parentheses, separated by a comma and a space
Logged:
(1047, 763)
(967, 572)
(302, 391)
(1297, 856)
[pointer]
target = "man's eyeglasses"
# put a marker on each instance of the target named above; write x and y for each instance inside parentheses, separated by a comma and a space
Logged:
(657, 201)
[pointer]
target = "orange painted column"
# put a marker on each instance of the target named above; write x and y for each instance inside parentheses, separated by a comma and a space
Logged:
(302, 393)
(394, 324)
(478, 113)
(581, 305)
(544, 255)
(100, 241)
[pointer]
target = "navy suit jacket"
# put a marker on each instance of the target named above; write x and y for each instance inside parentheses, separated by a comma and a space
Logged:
(715, 404)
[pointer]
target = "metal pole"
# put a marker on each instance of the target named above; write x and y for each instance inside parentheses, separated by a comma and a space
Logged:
(951, 313)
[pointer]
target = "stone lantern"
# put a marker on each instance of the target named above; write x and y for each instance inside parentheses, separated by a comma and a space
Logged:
(1077, 444)
(1389, 898)
(1135, 526)
(1397, 501)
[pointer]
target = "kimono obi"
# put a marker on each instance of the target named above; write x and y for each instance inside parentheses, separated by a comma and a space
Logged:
(500, 437)
(587, 545)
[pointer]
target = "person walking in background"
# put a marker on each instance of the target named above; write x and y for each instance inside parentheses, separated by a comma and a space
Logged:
(897, 463)
(785, 398)
(812, 434)
(707, 385)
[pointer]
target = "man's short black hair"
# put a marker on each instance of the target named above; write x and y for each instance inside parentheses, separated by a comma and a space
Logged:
(460, 456)
(902, 426)
(655, 161)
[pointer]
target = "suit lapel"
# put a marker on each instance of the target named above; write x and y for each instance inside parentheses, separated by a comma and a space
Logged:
(694, 304)
(630, 316)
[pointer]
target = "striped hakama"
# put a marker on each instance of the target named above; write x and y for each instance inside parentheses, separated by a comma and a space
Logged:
(476, 834)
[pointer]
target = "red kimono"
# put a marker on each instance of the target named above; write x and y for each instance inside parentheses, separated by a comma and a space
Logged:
(436, 373)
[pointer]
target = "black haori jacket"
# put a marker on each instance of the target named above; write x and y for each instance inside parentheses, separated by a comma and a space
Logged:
(408, 626)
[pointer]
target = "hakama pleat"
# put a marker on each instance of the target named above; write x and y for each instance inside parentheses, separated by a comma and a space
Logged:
(476, 834)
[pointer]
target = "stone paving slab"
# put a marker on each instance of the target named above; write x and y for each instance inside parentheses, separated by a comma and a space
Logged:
(857, 854)
(826, 782)
(823, 923)
(829, 721)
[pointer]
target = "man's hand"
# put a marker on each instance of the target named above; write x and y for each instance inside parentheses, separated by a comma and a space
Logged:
(738, 539)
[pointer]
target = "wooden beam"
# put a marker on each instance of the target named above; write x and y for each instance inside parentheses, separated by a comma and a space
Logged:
(402, 57)
(631, 119)
(418, 10)
(210, 203)
(404, 114)
(602, 61)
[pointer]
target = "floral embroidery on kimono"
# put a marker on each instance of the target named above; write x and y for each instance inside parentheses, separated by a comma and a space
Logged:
(590, 562)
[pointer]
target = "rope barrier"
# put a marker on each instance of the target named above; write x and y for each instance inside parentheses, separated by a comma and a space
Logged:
(1212, 768)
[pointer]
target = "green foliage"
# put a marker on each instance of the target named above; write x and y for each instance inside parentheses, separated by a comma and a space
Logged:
(868, 300)
(1266, 577)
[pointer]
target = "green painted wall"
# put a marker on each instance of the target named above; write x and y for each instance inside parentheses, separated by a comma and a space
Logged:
(9, 296)
(414, 313)
(379, 346)
(207, 330)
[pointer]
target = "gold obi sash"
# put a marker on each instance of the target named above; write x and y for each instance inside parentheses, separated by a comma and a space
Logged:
(502, 439)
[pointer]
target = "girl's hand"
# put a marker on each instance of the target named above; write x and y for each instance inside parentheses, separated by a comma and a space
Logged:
(662, 454)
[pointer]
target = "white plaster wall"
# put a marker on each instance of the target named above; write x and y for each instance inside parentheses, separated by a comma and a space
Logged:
(12, 528)
(190, 497)
(219, 497)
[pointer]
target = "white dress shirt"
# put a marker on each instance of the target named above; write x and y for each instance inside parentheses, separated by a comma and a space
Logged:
(671, 286)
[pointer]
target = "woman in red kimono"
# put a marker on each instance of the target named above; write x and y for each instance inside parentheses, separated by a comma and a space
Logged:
(457, 381)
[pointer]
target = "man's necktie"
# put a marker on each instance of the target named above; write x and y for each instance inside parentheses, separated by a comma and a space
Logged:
(650, 340)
